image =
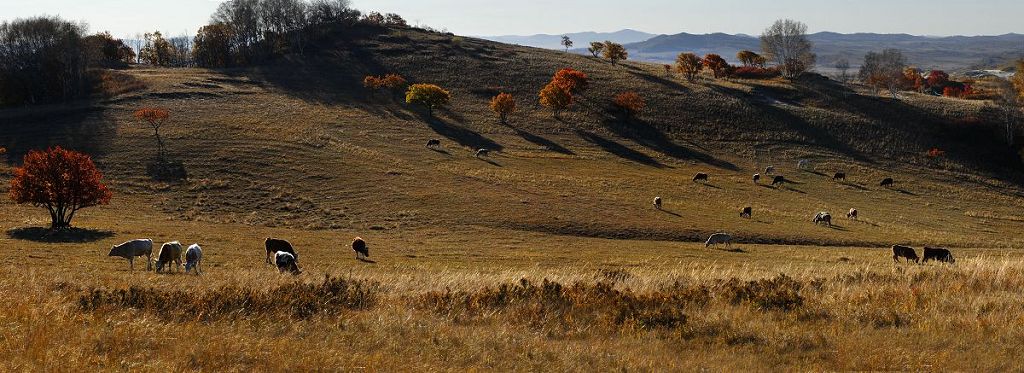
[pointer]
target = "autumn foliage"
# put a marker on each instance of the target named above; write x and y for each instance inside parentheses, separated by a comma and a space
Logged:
(503, 104)
(716, 64)
(60, 180)
(155, 118)
(614, 52)
(429, 96)
(688, 64)
(935, 153)
(555, 97)
(629, 102)
(573, 81)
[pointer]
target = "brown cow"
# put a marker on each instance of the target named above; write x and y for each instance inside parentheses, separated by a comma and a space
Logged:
(900, 251)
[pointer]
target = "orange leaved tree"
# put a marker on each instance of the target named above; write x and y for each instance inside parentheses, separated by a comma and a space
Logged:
(555, 97)
(629, 102)
(62, 181)
(427, 95)
(573, 81)
(503, 104)
(716, 64)
(155, 118)
(688, 64)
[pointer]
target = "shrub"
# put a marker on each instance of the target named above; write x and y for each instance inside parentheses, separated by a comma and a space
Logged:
(553, 96)
(935, 153)
(614, 52)
(596, 48)
(938, 78)
(113, 83)
(60, 180)
(394, 82)
(503, 104)
(629, 102)
(716, 64)
(779, 293)
(754, 72)
(429, 96)
(688, 64)
(573, 81)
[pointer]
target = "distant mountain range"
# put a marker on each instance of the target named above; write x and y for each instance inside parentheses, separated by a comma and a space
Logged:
(581, 40)
(952, 53)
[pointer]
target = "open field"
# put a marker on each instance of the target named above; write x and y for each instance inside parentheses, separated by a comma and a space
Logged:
(300, 152)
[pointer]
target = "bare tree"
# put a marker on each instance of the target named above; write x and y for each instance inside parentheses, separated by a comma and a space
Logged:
(786, 44)
(884, 69)
(843, 65)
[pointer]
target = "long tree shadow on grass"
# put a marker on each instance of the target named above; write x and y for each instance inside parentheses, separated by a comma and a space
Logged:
(548, 144)
(618, 149)
(460, 135)
(73, 235)
(645, 134)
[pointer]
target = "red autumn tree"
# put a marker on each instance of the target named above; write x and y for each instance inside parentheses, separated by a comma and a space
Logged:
(61, 180)
(573, 81)
(937, 78)
(555, 97)
(629, 102)
(394, 82)
(716, 64)
(155, 118)
(503, 104)
(373, 84)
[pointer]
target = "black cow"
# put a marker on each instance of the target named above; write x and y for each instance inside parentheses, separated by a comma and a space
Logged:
(700, 176)
(433, 143)
(900, 251)
(746, 212)
(887, 182)
(359, 246)
(286, 263)
(274, 245)
(839, 176)
(940, 254)
(778, 180)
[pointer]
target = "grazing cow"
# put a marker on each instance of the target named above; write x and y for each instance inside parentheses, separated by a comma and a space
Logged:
(887, 182)
(770, 170)
(746, 212)
(657, 203)
(804, 164)
(359, 246)
(839, 176)
(274, 245)
(169, 252)
(852, 214)
(757, 178)
(778, 180)
(940, 254)
(900, 251)
(433, 143)
(483, 153)
(700, 176)
(194, 258)
(719, 238)
(131, 249)
(286, 263)
(823, 217)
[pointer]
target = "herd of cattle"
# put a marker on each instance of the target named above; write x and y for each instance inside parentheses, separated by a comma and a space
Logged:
(821, 217)
(280, 251)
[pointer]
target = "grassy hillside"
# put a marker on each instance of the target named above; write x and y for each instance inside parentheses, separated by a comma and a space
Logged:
(299, 150)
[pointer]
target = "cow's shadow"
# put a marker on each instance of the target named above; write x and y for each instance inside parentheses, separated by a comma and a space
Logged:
(441, 151)
(365, 260)
(708, 185)
(72, 235)
(670, 213)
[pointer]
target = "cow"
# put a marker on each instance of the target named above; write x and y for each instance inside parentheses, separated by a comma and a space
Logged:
(887, 182)
(839, 176)
(746, 212)
(823, 217)
(852, 214)
(359, 246)
(940, 254)
(194, 258)
(804, 164)
(483, 153)
(700, 176)
(286, 263)
(131, 249)
(433, 143)
(169, 252)
(274, 245)
(778, 180)
(900, 251)
(757, 178)
(657, 203)
(770, 170)
(719, 238)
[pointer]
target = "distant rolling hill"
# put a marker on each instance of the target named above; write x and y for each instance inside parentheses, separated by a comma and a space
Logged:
(580, 39)
(950, 53)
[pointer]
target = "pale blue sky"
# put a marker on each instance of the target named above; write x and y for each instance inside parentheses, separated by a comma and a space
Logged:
(488, 17)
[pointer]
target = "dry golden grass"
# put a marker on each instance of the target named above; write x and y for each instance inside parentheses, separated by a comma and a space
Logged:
(610, 282)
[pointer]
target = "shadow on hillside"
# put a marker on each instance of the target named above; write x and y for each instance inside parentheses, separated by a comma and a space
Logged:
(645, 134)
(490, 161)
(548, 144)
(78, 127)
(671, 213)
(854, 185)
(366, 260)
(461, 135)
(618, 149)
(709, 185)
(668, 83)
(904, 191)
(73, 235)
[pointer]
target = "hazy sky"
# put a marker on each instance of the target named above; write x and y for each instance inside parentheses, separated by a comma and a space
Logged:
(489, 17)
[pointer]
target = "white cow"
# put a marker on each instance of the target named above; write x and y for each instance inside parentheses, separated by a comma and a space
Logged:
(131, 249)
(194, 258)
(719, 238)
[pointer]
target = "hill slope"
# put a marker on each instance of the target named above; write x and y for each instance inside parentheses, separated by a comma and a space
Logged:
(300, 144)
